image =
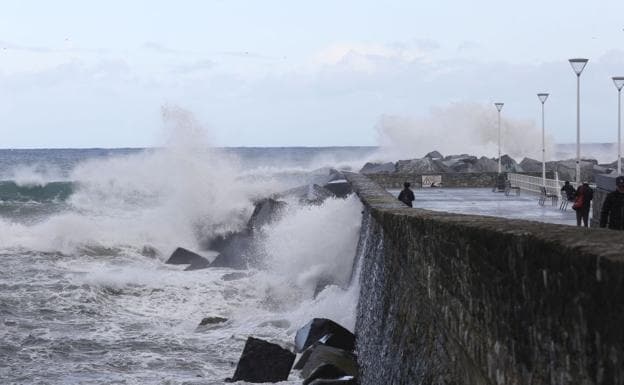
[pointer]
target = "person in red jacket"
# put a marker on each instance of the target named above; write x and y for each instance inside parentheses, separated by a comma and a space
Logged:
(584, 195)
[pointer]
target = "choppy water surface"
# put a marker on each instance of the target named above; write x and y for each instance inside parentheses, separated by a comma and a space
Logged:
(80, 304)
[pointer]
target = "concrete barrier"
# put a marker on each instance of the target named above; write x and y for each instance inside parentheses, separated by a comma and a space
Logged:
(463, 299)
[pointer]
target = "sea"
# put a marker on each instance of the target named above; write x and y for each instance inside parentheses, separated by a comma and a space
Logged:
(82, 302)
(86, 296)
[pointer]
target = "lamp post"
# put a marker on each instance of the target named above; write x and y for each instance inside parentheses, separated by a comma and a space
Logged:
(619, 83)
(499, 107)
(577, 66)
(542, 97)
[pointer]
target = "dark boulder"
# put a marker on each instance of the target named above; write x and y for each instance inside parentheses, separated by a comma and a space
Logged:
(340, 188)
(326, 371)
(421, 166)
(212, 321)
(182, 256)
(508, 164)
(233, 249)
(262, 361)
(318, 328)
(335, 175)
(459, 163)
(320, 354)
(265, 211)
(531, 165)
(378, 168)
(485, 164)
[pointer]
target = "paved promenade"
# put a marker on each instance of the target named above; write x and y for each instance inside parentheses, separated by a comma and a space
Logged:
(482, 201)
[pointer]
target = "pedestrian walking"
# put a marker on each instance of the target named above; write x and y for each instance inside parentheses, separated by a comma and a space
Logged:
(582, 203)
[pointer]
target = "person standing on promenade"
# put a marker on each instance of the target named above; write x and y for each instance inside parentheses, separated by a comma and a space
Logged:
(584, 195)
(406, 196)
(612, 213)
(568, 190)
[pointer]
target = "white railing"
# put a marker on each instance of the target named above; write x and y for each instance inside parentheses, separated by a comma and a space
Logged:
(534, 183)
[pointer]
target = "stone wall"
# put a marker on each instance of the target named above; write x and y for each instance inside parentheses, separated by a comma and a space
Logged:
(461, 299)
(450, 179)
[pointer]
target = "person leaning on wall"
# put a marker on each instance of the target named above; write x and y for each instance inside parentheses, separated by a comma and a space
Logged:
(612, 212)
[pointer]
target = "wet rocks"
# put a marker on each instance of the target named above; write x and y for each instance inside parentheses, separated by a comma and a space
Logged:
(212, 321)
(325, 372)
(262, 361)
(321, 355)
(531, 165)
(434, 155)
(265, 211)
(327, 356)
(340, 188)
(421, 166)
(378, 168)
(319, 328)
(434, 163)
(182, 256)
(235, 248)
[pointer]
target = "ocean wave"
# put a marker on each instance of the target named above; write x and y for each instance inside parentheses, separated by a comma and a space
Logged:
(11, 191)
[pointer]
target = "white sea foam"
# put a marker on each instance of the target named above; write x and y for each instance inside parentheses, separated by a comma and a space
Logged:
(143, 314)
(34, 175)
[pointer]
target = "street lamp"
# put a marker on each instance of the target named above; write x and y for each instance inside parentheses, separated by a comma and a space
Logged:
(542, 97)
(619, 83)
(499, 107)
(577, 66)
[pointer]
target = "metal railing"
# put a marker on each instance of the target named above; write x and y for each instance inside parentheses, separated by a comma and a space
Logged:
(534, 183)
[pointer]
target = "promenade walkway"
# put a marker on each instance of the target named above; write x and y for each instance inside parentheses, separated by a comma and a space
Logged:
(482, 201)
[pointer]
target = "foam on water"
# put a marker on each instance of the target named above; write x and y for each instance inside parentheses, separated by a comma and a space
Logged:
(80, 304)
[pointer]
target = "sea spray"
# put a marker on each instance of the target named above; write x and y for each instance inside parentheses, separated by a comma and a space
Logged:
(460, 128)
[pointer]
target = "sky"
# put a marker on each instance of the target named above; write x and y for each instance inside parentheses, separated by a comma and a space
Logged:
(295, 73)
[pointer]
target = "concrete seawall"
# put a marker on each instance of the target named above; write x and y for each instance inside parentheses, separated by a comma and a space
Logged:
(461, 299)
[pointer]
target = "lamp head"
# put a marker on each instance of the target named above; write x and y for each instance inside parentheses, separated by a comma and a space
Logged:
(578, 65)
(542, 97)
(619, 82)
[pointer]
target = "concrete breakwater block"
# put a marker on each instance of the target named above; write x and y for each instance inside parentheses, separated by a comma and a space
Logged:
(346, 380)
(332, 334)
(182, 256)
(325, 372)
(262, 361)
(319, 355)
(340, 188)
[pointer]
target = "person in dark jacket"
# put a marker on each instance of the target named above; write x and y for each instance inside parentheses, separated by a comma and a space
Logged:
(406, 196)
(584, 195)
(612, 212)
(569, 191)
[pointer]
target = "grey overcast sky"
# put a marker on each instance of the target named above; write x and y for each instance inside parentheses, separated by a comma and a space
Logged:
(278, 73)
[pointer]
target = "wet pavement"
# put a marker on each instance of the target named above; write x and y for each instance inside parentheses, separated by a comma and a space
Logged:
(482, 201)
